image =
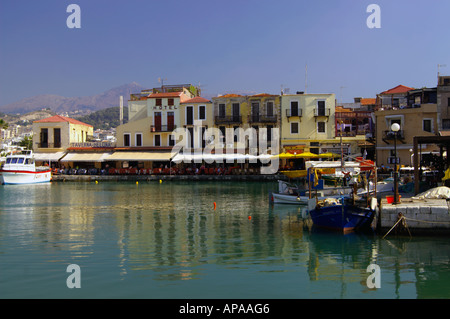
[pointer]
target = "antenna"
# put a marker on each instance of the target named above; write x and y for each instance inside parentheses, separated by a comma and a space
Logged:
(306, 76)
(439, 66)
(160, 80)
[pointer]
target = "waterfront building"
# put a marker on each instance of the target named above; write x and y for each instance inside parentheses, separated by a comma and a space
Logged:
(53, 136)
(395, 98)
(196, 116)
(417, 116)
(146, 140)
(443, 105)
(308, 123)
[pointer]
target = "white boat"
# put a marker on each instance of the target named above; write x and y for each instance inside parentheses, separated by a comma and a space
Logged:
(291, 194)
(21, 169)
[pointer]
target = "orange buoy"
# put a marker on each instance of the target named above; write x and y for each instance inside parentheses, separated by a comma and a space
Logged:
(214, 205)
(249, 217)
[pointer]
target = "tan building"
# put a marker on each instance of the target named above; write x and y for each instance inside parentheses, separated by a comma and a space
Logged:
(53, 136)
(420, 120)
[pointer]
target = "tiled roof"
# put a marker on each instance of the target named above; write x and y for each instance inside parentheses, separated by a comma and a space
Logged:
(263, 95)
(230, 95)
(197, 99)
(59, 118)
(368, 101)
(398, 89)
(166, 94)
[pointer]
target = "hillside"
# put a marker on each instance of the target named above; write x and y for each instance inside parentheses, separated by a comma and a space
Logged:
(61, 104)
(106, 118)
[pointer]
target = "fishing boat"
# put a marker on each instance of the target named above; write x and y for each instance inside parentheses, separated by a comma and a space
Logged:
(343, 214)
(20, 168)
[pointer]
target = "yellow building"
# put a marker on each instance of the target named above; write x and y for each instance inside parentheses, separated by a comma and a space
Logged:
(308, 123)
(53, 136)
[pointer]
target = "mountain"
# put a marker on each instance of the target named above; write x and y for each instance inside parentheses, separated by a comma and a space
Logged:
(61, 104)
(106, 118)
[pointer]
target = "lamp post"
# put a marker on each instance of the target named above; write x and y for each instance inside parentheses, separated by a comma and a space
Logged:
(395, 128)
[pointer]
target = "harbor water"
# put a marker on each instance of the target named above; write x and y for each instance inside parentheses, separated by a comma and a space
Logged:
(181, 239)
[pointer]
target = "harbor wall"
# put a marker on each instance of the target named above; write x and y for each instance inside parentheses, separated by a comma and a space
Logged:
(428, 216)
(132, 178)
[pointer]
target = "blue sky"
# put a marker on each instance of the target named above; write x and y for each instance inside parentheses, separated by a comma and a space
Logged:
(247, 45)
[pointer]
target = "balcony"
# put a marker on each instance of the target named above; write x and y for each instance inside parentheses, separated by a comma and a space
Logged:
(292, 113)
(321, 112)
(234, 119)
(257, 118)
(390, 135)
(162, 128)
(48, 145)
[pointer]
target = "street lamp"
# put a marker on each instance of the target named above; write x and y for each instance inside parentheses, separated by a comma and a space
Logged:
(395, 128)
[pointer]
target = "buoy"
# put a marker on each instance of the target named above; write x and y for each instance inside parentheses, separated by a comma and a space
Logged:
(214, 205)
(160, 181)
(137, 182)
(96, 182)
(249, 217)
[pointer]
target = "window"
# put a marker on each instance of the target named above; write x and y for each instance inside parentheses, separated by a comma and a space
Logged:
(222, 134)
(171, 140)
(170, 102)
(202, 112)
(138, 139)
(126, 139)
(269, 108)
(57, 137)
(448, 101)
(222, 110)
(44, 138)
(158, 102)
(321, 108)
(157, 140)
(294, 108)
(446, 124)
(320, 127)
(427, 125)
(189, 115)
(294, 128)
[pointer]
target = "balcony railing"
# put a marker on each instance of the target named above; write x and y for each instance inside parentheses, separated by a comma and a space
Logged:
(321, 112)
(48, 145)
(162, 128)
(291, 113)
(234, 119)
(390, 135)
(257, 118)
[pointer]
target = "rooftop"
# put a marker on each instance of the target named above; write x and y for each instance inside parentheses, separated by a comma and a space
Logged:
(60, 118)
(398, 89)
(197, 99)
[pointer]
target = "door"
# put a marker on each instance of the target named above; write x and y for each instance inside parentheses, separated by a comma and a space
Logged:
(57, 137)
(158, 121)
(189, 115)
(170, 121)
(255, 112)
(44, 138)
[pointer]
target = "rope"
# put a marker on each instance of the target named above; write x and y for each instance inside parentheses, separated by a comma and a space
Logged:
(400, 219)
(425, 221)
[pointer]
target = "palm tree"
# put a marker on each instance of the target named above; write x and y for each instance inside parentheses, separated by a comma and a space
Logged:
(3, 126)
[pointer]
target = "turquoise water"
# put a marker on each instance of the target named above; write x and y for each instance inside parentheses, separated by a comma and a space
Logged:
(166, 240)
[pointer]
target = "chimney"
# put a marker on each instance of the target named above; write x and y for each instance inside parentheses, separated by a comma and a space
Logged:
(121, 110)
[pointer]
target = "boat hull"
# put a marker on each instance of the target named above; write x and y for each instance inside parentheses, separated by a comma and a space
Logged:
(25, 177)
(343, 218)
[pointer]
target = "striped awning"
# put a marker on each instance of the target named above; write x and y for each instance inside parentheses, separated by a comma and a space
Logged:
(86, 157)
(140, 156)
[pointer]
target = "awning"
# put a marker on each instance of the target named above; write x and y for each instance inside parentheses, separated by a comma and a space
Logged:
(86, 157)
(140, 156)
(241, 158)
(49, 157)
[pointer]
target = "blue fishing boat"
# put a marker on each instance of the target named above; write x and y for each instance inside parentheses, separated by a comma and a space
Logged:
(342, 215)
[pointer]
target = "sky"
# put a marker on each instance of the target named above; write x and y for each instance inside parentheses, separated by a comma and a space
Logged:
(248, 46)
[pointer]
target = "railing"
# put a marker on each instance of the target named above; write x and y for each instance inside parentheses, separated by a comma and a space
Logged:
(321, 112)
(49, 145)
(228, 119)
(289, 113)
(256, 118)
(162, 128)
(390, 135)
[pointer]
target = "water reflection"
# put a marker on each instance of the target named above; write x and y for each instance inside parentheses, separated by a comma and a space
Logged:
(171, 233)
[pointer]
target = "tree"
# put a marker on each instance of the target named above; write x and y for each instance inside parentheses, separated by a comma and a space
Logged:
(3, 126)
(27, 142)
